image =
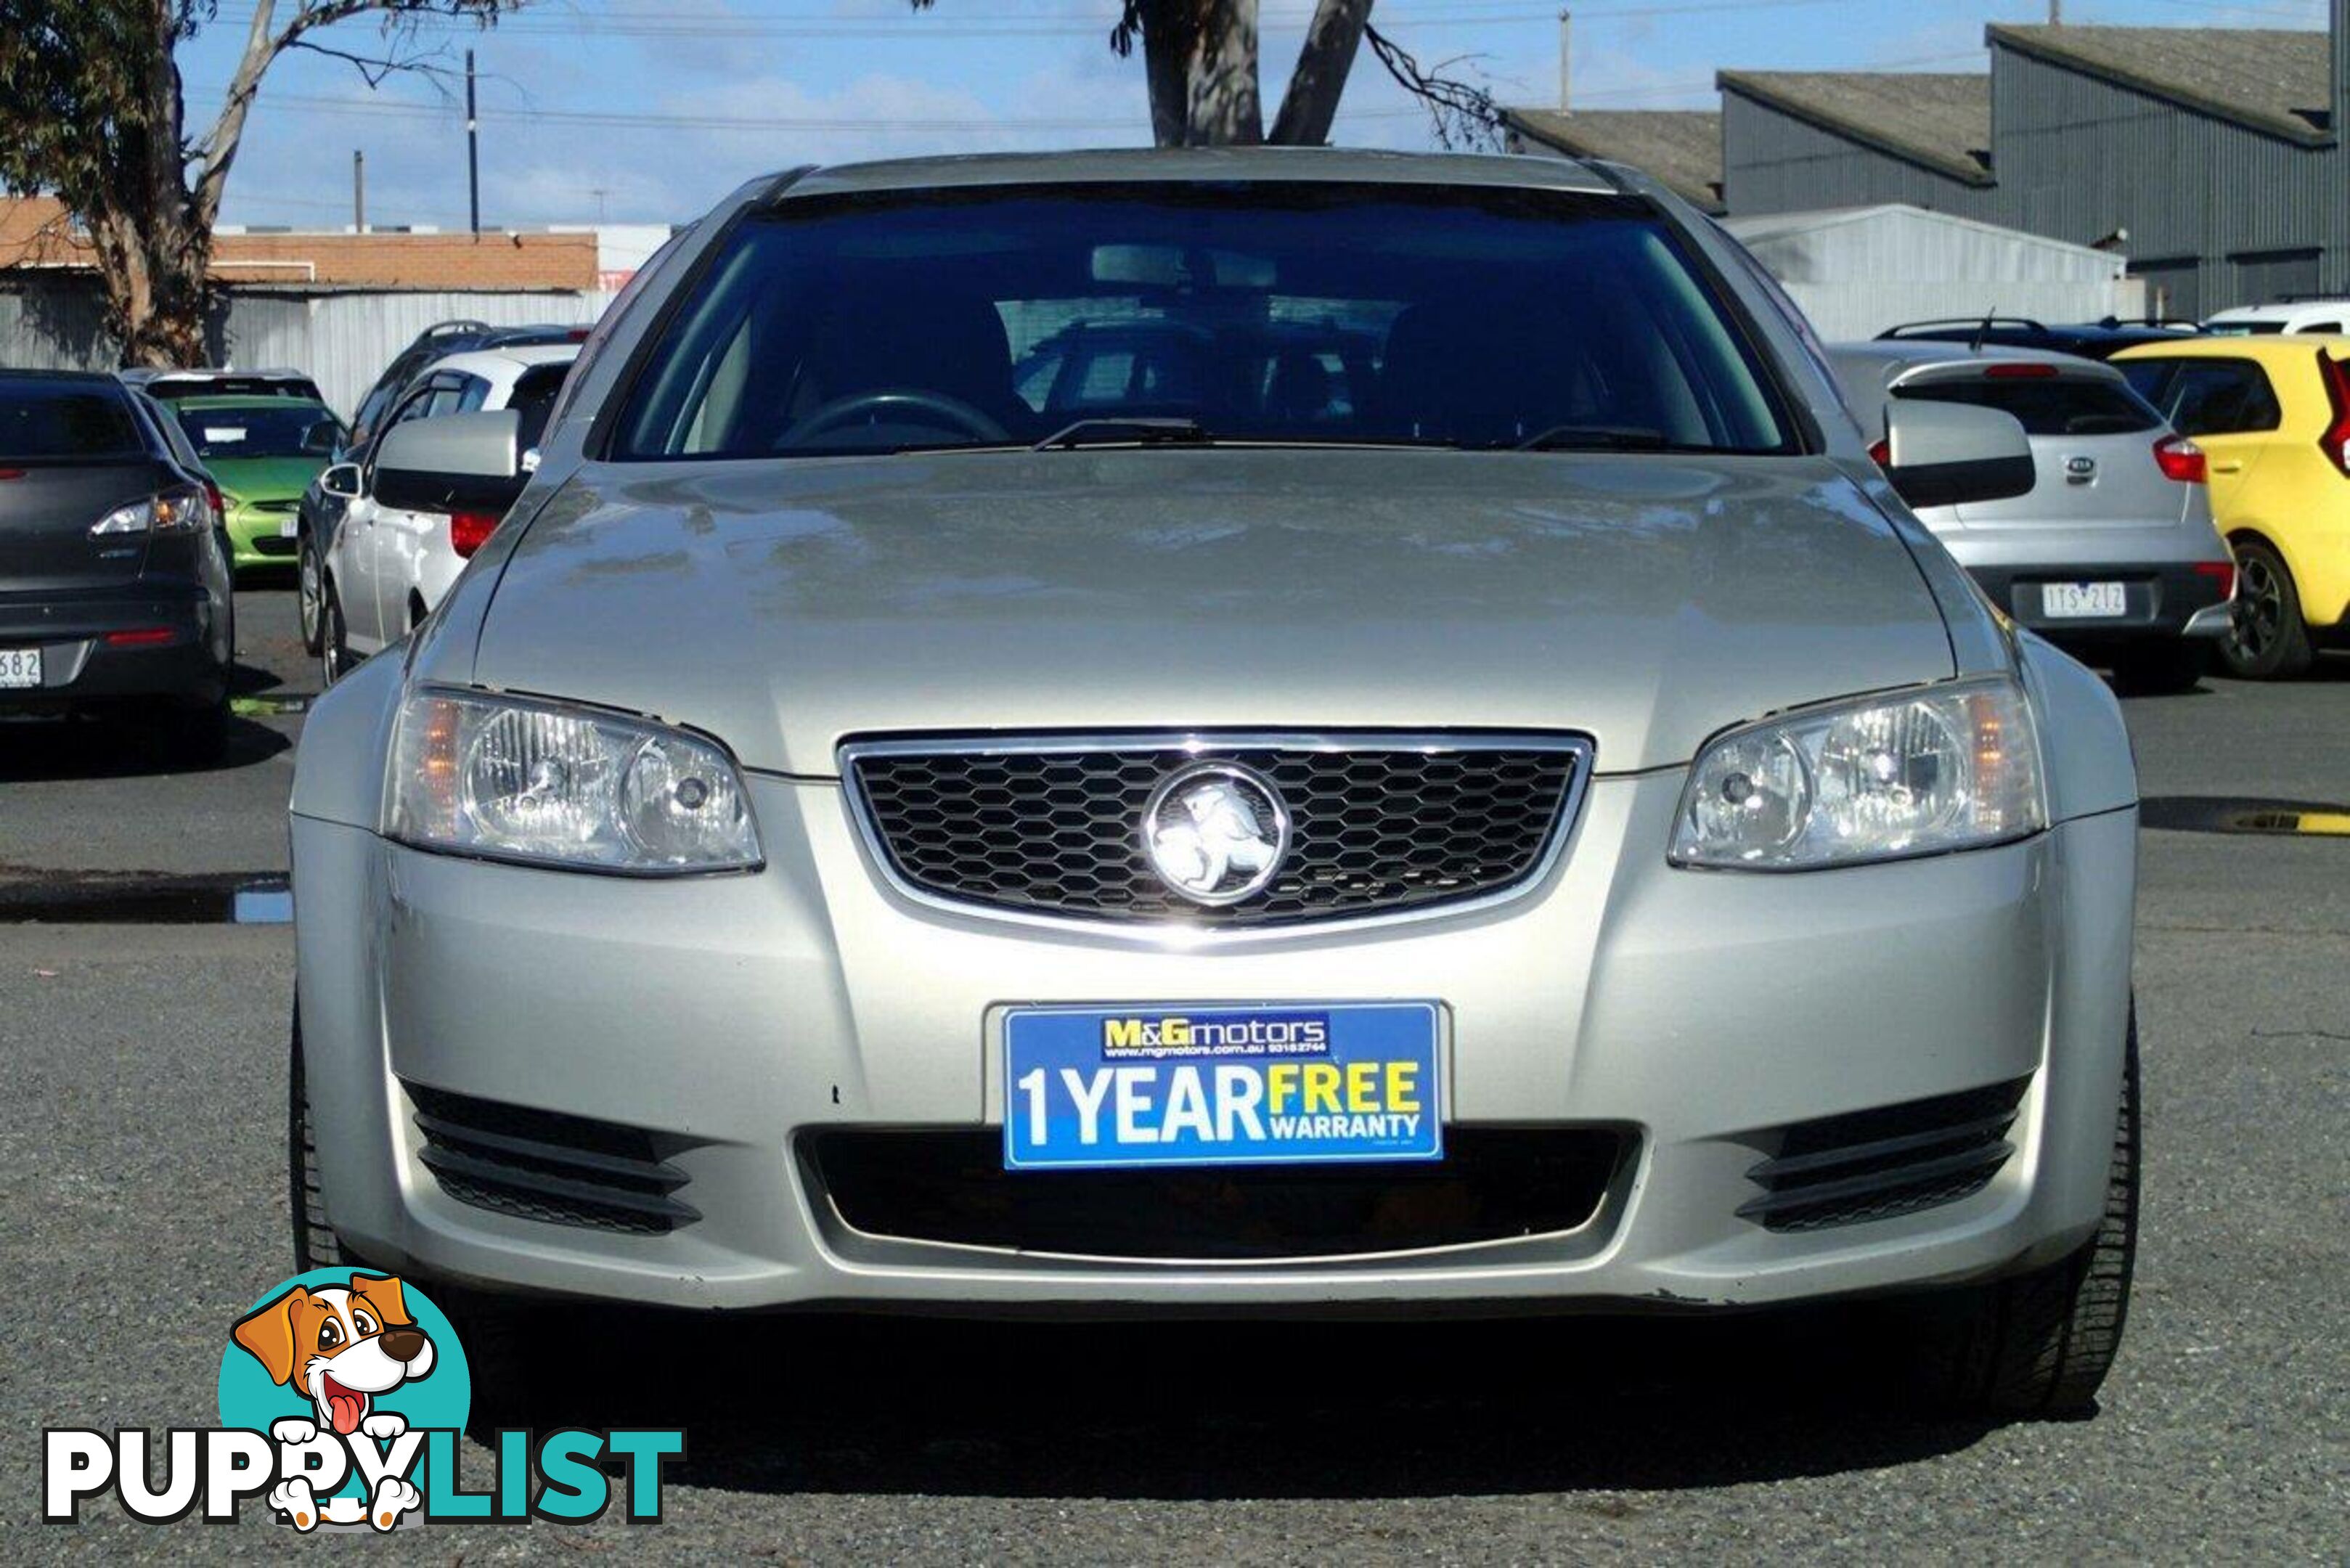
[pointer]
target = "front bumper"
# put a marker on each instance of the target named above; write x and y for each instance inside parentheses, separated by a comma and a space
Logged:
(80, 663)
(257, 536)
(1697, 1012)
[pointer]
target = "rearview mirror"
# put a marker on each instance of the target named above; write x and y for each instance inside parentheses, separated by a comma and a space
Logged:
(342, 479)
(458, 463)
(1949, 454)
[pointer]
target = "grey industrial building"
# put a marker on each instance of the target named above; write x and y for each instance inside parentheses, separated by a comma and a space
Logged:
(2211, 158)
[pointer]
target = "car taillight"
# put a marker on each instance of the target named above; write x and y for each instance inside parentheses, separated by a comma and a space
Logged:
(2018, 370)
(2221, 572)
(469, 531)
(1880, 452)
(2335, 442)
(220, 504)
(2181, 459)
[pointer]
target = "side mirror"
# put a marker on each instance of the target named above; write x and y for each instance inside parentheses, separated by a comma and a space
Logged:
(458, 463)
(1947, 455)
(342, 479)
(321, 439)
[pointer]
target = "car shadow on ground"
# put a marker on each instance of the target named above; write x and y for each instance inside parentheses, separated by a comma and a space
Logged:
(39, 750)
(2333, 668)
(1233, 1409)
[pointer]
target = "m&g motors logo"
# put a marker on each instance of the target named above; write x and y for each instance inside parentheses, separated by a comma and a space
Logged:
(1253, 1034)
(342, 1396)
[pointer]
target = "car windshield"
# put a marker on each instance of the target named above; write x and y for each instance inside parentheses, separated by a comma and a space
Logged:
(258, 432)
(51, 423)
(1294, 313)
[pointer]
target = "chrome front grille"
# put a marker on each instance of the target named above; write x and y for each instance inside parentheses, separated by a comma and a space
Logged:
(1382, 825)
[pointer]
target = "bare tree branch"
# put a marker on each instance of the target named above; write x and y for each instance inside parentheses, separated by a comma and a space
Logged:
(377, 69)
(1461, 115)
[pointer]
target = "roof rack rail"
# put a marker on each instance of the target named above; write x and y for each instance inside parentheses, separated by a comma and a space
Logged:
(1944, 324)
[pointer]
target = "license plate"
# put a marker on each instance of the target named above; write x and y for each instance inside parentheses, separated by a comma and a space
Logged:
(2076, 601)
(1318, 1083)
(20, 666)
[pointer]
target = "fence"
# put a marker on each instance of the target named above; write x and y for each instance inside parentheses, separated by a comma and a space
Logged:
(342, 339)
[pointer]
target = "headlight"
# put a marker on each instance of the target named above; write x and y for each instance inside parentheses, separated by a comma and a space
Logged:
(538, 782)
(1938, 768)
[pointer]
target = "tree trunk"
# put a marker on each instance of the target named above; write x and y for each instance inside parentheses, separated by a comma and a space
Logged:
(152, 259)
(1221, 103)
(1311, 103)
(1167, 29)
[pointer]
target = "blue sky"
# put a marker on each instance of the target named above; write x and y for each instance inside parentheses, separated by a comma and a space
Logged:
(634, 109)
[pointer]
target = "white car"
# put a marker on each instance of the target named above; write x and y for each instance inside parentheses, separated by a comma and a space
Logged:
(384, 568)
(2289, 316)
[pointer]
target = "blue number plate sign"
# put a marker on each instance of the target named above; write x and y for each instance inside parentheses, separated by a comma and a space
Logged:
(1090, 1087)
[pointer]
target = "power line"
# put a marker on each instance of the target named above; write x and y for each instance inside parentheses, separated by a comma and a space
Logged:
(646, 121)
(917, 27)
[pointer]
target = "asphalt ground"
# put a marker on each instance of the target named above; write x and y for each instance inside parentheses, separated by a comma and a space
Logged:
(144, 1203)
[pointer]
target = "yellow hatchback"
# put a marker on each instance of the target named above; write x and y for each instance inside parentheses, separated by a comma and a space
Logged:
(2273, 416)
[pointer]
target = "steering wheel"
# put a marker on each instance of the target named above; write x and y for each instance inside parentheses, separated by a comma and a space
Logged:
(943, 409)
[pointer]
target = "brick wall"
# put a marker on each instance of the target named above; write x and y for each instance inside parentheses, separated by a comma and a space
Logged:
(32, 232)
(410, 261)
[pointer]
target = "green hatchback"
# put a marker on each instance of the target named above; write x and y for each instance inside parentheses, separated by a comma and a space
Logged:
(263, 452)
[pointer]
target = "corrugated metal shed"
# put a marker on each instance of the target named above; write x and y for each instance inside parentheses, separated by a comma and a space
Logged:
(345, 341)
(1857, 271)
(341, 338)
(1681, 148)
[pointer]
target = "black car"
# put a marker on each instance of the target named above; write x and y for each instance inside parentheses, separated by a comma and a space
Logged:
(2089, 340)
(114, 563)
(438, 342)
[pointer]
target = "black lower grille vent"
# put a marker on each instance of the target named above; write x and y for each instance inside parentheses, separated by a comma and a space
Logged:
(1494, 1184)
(547, 1165)
(1894, 1160)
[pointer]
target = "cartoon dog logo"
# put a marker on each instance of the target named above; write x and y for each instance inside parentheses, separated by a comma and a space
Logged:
(340, 1349)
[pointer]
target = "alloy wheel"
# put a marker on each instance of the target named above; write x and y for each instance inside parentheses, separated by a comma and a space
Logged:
(2259, 613)
(333, 656)
(307, 596)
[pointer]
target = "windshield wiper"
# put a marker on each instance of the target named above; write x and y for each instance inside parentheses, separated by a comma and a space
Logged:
(1595, 437)
(1128, 431)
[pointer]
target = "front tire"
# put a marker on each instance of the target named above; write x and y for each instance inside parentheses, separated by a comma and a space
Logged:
(2267, 639)
(316, 1245)
(333, 645)
(310, 597)
(2038, 1345)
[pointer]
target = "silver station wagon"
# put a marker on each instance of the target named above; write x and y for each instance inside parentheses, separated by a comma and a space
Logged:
(1287, 731)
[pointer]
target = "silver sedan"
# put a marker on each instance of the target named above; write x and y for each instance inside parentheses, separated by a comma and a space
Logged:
(1284, 731)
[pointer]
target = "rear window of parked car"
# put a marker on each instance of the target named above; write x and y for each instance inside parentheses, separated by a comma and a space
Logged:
(287, 431)
(1317, 312)
(46, 422)
(2208, 397)
(533, 399)
(2053, 406)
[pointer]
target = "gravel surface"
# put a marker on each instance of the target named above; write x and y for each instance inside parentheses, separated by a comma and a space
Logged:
(146, 1202)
